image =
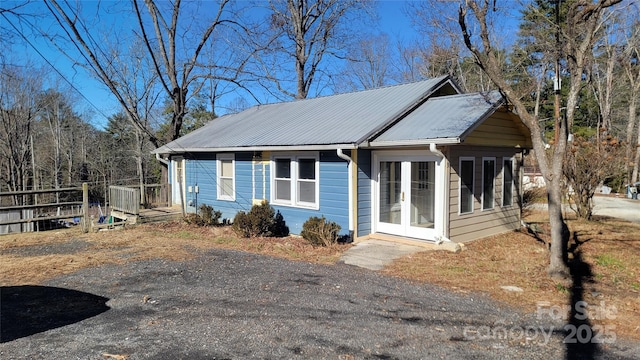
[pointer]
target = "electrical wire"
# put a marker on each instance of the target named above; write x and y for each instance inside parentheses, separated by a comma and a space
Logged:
(19, 32)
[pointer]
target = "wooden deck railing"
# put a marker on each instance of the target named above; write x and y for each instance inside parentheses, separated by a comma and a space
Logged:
(125, 199)
(157, 195)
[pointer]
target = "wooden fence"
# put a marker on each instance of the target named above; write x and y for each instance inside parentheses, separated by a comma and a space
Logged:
(55, 205)
(23, 217)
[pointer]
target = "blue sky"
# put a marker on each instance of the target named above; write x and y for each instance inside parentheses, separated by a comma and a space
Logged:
(96, 99)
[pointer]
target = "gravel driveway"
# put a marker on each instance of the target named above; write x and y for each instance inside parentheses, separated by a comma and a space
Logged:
(226, 304)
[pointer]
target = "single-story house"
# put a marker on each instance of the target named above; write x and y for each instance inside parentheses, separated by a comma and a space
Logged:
(418, 160)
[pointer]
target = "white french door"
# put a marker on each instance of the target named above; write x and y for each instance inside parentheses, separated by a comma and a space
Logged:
(409, 196)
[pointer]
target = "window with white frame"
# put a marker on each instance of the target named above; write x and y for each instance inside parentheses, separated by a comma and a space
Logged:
(488, 182)
(295, 180)
(282, 181)
(466, 183)
(225, 170)
(507, 181)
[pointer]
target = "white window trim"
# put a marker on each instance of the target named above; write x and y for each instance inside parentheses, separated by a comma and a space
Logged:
(473, 185)
(219, 158)
(512, 160)
(493, 179)
(294, 157)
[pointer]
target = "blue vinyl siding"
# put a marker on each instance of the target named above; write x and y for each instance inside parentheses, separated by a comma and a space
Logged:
(201, 171)
(243, 180)
(334, 196)
(364, 192)
(333, 184)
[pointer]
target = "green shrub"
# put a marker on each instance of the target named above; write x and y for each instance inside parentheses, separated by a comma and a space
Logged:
(206, 216)
(209, 216)
(261, 220)
(319, 231)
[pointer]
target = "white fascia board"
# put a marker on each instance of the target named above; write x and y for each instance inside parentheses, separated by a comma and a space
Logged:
(442, 141)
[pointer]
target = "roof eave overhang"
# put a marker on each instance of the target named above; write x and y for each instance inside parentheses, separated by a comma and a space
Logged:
(421, 142)
(316, 147)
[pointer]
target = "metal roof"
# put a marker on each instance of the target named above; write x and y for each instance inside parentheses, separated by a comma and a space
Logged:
(324, 121)
(444, 119)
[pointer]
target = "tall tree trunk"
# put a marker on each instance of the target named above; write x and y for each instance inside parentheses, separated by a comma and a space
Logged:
(632, 160)
(636, 161)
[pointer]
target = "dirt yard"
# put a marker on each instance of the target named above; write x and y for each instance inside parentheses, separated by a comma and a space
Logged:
(605, 264)
(605, 255)
(34, 257)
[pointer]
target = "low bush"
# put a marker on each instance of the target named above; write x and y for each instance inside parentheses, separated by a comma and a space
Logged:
(206, 216)
(209, 216)
(193, 219)
(261, 220)
(320, 232)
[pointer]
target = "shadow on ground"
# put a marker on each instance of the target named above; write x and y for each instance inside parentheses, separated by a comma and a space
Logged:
(580, 336)
(28, 309)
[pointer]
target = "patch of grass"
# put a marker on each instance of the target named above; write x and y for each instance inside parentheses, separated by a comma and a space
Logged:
(608, 260)
(457, 269)
(225, 240)
(562, 289)
(185, 235)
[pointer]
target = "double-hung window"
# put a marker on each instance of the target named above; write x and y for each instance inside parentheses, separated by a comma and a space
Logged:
(467, 174)
(507, 181)
(282, 181)
(225, 170)
(488, 182)
(295, 180)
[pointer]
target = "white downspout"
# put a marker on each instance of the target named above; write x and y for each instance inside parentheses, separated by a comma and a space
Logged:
(345, 157)
(433, 149)
(440, 239)
(166, 162)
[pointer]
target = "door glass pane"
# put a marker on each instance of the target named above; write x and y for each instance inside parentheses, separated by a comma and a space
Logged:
(423, 193)
(390, 192)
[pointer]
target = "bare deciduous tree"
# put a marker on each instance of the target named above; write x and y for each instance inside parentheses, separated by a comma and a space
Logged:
(630, 60)
(588, 163)
(19, 87)
(308, 32)
(173, 49)
(583, 20)
(177, 73)
(369, 66)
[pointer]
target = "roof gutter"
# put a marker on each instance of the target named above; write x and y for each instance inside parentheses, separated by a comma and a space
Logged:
(420, 142)
(258, 148)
